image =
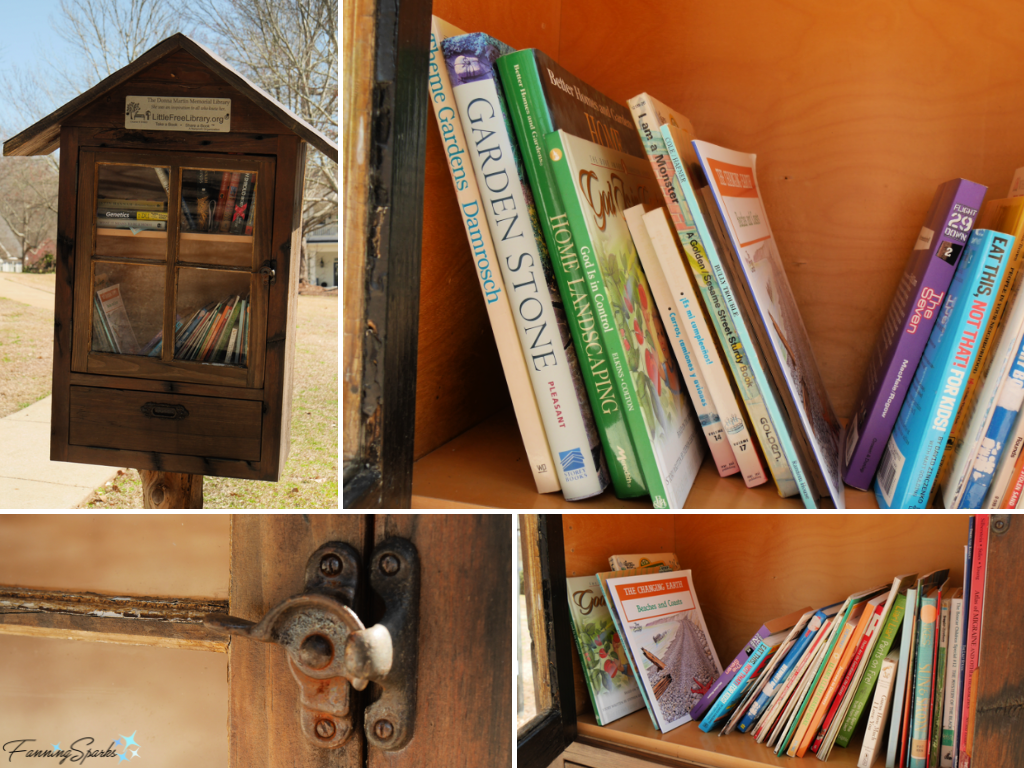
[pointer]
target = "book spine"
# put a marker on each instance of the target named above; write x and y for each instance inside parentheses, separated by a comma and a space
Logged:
(907, 471)
(900, 686)
(565, 412)
(129, 204)
(993, 443)
(680, 305)
(786, 728)
(973, 641)
(685, 345)
(880, 706)
(1015, 487)
(939, 687)
(532, 120)
(874, 665)
(99, 322)
(241, 205)
(157, 226)
(1005, 472)
(104, 214)
(698, 710)
(921, 713)
(116, 317)
(950, 725)
(782, 702)
(730, 696)
(225, 215)
(731, 327)
(823, 690)
(904, 333)
(484, 255)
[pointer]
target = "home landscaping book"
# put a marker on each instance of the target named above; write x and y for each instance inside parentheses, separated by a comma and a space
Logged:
(610, 680)
(910, 462)
(543, 97)
(543, 333)
(685, 349)
(703, 253)
(681, 309)
(666, 633)
(732, 179)
(912, 314)
(488, 271)
(596, 184)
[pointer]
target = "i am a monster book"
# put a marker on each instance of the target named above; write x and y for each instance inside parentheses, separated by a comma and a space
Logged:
(543, 97)
(610, 679)
(597, 185)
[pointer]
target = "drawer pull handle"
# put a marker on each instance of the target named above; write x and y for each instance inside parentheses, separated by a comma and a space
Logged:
(164, 411)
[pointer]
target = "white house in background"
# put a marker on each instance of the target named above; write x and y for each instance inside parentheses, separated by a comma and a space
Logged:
(10, 250)
(322, 256)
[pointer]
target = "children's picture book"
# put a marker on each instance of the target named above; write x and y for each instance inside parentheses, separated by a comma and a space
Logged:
(597, 185)
(665, 630)
(522, 257)
(732, 179)
(879, 712)
(610, 679)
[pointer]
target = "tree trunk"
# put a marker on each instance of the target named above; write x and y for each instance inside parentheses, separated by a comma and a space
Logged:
(171, 490)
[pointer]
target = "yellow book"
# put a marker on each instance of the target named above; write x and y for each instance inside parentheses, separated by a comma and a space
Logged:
(1007, 216)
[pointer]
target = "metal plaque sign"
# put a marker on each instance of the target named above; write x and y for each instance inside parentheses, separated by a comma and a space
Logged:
(177, 113)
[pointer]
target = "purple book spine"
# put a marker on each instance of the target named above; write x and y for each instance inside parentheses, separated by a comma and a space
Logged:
(702, 706)
(905, 331)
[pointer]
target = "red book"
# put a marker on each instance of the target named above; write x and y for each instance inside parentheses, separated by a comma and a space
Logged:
(224, 216)
(222, 199)
(975, 608)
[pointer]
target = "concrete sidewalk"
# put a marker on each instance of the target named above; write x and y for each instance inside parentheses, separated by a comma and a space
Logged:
(28, 479)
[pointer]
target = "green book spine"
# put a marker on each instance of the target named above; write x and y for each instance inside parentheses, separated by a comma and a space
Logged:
(938, 697)
(220, 349)
(660, 419)
(867, 683)
(533, 117)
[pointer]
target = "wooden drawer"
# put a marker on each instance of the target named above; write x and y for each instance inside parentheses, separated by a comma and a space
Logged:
(166, 423)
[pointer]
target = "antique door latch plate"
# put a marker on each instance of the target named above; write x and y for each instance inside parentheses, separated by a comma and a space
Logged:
(330, 649)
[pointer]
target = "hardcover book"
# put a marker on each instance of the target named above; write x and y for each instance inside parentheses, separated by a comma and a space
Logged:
(665, 629)
(706, 258)
(911, 316)
(543, 97)
(609, 677)
(596, 185)
(511, 215)
(910, 462)
(685, 349)
(732, 179)
(488, 272)
(681, 309)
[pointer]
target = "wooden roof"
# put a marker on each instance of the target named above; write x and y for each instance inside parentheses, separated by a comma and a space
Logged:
(44, 137)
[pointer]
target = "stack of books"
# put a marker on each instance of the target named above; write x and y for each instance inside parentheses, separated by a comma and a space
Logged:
(136, 215)
(218, 201)
(215, 333)
(634, 286)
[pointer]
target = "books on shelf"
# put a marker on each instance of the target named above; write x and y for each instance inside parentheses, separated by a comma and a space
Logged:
(215, 333)
(114, 319)
(881, 705)
(666, 632)
(134, 225)
(911, 316)
(539, 315)
(661, 422)
(609, 677)
(542, 97)
(484, 255)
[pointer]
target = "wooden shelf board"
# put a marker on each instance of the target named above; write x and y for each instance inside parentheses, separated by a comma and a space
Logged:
(216, 237)
(688, 742)
(110, 232)
(486, 467)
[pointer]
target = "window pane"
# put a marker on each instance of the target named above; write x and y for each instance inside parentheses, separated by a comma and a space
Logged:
(132, 198)
(213, 316)
(128, 309)
(60, 693)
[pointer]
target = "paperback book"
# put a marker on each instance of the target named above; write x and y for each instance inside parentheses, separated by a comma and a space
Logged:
(484, 255)
(661, 421)
(881, 704)
(661, 559)
(538, 313)
(665, 630)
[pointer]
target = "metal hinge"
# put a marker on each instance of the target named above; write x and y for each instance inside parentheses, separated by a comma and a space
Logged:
(330, 649)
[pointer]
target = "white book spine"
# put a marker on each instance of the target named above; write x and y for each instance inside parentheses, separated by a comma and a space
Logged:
(545, 342)
(879, 712)
(700, 395)
(678, 298)
(1004, 469)
(965, 452)
(499, 311)
(950, 726)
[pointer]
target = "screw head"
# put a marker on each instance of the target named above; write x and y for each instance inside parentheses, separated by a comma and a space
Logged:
(325, 729)
(331, 565)
(383, 729)
(316, 652)
(999, 524)
(390, 565)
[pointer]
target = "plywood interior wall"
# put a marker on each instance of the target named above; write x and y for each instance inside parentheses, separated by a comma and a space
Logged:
(748, 569)
(856, 110)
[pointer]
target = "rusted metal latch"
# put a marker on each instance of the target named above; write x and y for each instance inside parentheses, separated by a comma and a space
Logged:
(330, 649)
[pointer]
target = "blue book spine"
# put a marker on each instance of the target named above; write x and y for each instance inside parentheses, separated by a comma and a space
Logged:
(911, 460)
(734, 691)
(922, 698)
(782, 671)
(1003, 417)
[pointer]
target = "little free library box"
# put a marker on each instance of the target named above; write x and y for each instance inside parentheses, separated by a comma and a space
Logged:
(178, 234)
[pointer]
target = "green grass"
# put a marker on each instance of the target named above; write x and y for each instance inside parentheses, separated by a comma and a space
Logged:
(310, 476)
(26, 348)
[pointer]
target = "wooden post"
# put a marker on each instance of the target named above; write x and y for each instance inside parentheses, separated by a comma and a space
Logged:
(171, 490)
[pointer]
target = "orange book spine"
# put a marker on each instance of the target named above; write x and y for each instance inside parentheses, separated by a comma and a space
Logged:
(215, 333)
(1016, 485)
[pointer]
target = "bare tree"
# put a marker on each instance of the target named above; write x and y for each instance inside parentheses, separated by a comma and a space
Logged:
(28, 201)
